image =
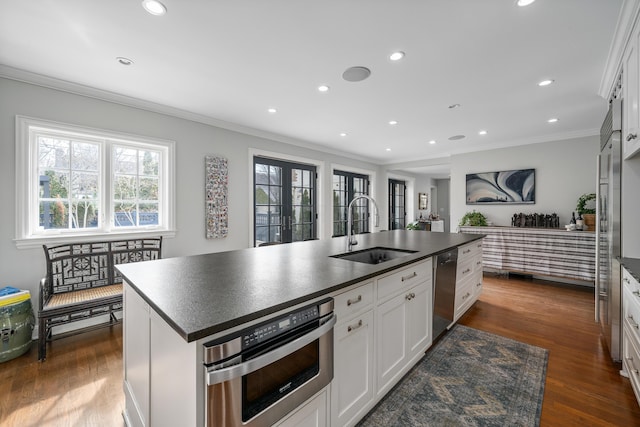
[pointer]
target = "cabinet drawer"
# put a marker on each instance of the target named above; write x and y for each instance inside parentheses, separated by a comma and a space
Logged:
(466, 251)
(465, 269)
(631, 361)
(396, 282)
(352, 302)
(631, 311)
(469, 250)
(630, 282)
(464, 296)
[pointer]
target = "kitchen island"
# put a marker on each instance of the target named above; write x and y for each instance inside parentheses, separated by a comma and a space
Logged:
(174, 305)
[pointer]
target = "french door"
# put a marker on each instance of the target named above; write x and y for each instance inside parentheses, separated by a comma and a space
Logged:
(284, 201)
(397, 208)
(347, 185)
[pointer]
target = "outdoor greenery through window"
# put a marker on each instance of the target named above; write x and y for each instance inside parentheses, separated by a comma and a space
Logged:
(284, 201)
(346, 186)
(90, 182)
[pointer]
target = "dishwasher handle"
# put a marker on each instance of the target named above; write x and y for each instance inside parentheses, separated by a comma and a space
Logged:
(216, 376)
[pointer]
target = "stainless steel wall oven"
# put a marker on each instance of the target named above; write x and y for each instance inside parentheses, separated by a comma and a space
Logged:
(258, 375)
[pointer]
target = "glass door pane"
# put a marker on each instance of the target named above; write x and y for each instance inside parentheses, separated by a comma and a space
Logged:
(397, 211)
(284, 200)
(268, 203)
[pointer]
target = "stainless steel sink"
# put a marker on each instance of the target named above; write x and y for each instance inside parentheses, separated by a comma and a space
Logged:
(375, 255)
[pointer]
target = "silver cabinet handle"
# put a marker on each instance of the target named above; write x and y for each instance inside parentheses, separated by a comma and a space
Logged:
(630, 361)
(633, 322)
(410, 276)
(626, 280)
(478, 284)
(636, 293)
(354, 327)
(632, 136)
(466, 296)
(410, 296)
(466, 271)
(354, 301)
(466, 251)
(215, 376)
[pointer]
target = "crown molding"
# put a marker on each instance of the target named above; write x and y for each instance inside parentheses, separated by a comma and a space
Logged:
(124, 100)
(624, 27)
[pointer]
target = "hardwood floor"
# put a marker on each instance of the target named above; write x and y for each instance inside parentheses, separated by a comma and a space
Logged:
(81, 382)
(583, 385)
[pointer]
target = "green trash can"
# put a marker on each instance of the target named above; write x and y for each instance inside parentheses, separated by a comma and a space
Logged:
(16, 327)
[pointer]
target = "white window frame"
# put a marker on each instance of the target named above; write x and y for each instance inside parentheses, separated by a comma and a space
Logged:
(28, 235)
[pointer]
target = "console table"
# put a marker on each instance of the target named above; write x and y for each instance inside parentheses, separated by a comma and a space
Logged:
(548, 252)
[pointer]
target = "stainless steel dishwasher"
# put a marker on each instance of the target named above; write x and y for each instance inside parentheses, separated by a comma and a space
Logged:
(444, 291)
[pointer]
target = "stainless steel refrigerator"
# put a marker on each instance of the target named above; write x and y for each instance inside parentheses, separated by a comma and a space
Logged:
(608, 237)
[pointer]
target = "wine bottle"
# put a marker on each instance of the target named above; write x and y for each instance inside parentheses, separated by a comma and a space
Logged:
(573, 218)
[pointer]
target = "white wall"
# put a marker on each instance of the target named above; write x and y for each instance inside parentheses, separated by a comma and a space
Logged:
(23, 268)
(564, 171)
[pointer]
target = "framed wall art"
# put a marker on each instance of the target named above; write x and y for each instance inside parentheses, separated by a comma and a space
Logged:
(216, 204)
(503, 187)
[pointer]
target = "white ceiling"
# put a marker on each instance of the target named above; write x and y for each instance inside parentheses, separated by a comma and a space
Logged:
(230, 60)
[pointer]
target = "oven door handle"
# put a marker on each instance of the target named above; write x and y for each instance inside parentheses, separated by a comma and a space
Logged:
(216, 376)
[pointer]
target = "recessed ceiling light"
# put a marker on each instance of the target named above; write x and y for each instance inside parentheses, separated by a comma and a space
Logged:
(393, 122)
(356, 74)
(124, 61)
(154, 7)
(432, 142)
(482, 132)
(343, 134)
(323, 88)
(388, 149)
(545, 82)
(553, 120)
(396, 56)
(524, 2)
(456, 137)
(272, 110)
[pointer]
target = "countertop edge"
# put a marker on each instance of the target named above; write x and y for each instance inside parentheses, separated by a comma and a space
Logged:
(240, 320)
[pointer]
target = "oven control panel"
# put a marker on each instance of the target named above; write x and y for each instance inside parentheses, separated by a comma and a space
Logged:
(232, 345)
(266, 331)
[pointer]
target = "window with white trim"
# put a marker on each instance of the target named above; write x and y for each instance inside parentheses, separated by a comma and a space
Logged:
(75, 181)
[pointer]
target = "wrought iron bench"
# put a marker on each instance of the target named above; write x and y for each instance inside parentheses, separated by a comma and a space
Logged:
(81, 283)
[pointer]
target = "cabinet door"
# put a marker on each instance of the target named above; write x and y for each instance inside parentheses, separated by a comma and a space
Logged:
(419, 319)
(391, 345)
(311, 414)
(352, 386)
(631, 115)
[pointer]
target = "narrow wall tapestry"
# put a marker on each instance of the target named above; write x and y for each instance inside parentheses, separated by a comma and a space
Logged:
(216, 205)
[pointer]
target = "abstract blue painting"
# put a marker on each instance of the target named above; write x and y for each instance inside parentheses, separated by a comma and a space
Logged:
(505, 187)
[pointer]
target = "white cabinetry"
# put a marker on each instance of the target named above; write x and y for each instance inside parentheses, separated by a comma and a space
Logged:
(468, 277)
(631, 331)
(312, 414)
(631, 97)
(383, 329)
(352, 387)
(403, 322)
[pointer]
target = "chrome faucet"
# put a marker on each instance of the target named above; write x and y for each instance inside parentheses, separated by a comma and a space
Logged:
(351, 240)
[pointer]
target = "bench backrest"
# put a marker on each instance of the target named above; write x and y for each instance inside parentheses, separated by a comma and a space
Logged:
(76, 266)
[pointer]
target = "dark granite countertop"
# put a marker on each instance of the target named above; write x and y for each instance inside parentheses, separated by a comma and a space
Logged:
(632, 265)
(205, 294)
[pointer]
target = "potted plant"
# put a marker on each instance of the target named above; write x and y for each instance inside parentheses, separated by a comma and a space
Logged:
(586, 207)
(413, 226)
(473, 218)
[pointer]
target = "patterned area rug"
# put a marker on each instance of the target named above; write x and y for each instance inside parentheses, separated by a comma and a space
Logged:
(469, 378)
